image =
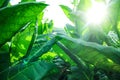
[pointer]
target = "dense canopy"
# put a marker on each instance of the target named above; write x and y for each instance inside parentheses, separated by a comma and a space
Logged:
(84, 45)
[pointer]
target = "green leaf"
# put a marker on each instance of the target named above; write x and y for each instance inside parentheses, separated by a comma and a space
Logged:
(68, 12)
(39, 42)
(46, 27)
(62, 54)
(4, 60)
(12, 19)
(27, 0)
(3, 3)
(34, 71)
(21, 43)
(84, 5)
(4, 49)
(83, 68)
(94, 33)
(44, 48)
(71, 30)
(49, 56)
(105, 57)
(40, 24)
(114, 15)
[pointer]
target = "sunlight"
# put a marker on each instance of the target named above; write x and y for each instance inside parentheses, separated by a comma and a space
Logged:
(55, 13)
(97, 13)
(14, 2)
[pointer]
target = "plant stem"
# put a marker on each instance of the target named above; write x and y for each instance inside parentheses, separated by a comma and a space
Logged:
(77, 60)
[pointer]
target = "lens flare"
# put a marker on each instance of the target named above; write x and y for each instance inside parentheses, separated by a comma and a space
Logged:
(96, 14)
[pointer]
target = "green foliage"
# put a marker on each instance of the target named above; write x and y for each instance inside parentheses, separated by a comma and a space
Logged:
(89, 51)
(31, 49)
(21, 13)
(4, 60)
(34, 71)
(83, 5)
(44, 48)
(68, 12)
(21, 43)
(62, 54)
(115, 15)
(27, 0)
(101, 57)
(3, 3)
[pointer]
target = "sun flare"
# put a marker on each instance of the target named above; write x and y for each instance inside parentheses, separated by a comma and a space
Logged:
(97, 13)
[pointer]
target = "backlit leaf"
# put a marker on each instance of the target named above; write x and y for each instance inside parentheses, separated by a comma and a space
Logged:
(27, 0)
(12, 19)
(104, 57)
(21, 43)
(34, 71)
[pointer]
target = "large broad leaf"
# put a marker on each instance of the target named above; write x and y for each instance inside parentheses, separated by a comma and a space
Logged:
(21, 43)
(84, 70)
(104, 57)
(14, 18)
(62, 54)
(40, 50)
(35, 71)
